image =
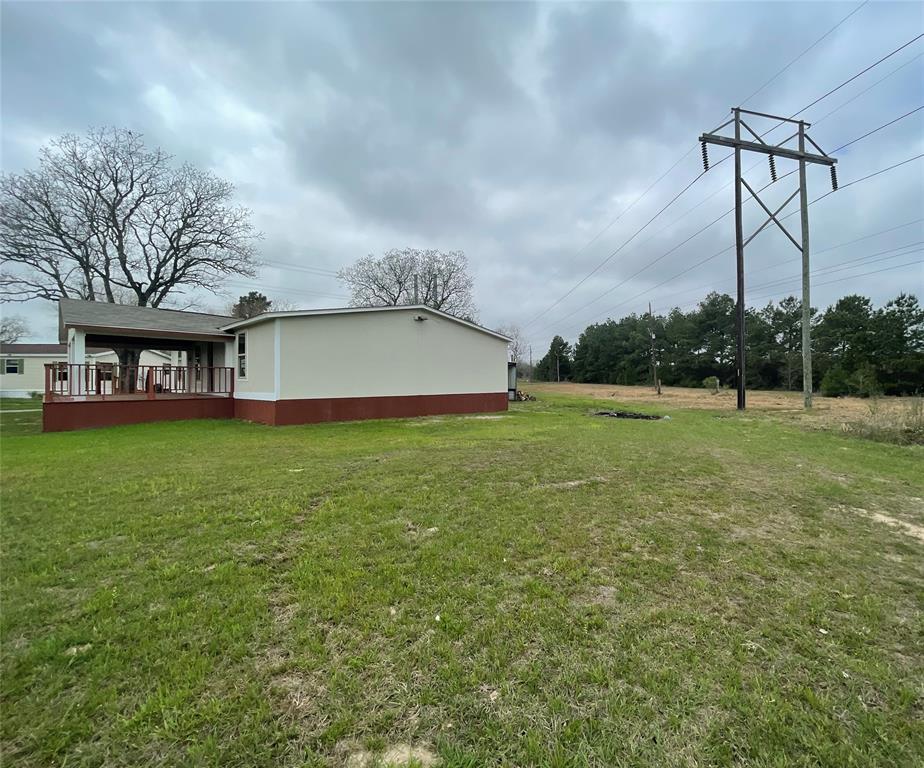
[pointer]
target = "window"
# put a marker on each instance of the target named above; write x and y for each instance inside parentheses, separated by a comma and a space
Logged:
(242, 355)
(13, 365)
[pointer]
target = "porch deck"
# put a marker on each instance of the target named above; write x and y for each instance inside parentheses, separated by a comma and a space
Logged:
(78, 396)
(133, 396)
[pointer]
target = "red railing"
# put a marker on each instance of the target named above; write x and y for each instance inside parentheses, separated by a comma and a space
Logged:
(102, 380)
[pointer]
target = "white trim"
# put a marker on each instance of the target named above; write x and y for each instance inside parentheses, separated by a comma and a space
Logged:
(270, 396)
(63, 355)
(277, 357)
(353, 310)
(237, 355)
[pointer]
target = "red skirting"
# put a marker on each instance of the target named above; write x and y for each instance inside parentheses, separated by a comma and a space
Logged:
(67, 415)
(282, 412)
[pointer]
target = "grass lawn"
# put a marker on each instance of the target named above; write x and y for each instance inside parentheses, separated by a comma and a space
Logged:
(15, 403)
(545, 588)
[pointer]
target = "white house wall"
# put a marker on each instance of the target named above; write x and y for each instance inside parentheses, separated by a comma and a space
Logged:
(260, 362)
(375, 354)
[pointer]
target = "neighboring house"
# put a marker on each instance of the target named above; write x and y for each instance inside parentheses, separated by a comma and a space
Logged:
(22, 366)
(278, 367)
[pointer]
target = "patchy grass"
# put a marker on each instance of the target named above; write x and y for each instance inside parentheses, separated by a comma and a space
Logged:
(543, 589)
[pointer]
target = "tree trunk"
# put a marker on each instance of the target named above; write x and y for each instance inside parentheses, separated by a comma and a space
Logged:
(128, 369)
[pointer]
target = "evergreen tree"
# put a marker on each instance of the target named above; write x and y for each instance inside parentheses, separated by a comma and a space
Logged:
(556, 362)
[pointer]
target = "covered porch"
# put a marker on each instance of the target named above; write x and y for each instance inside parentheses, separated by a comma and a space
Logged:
(198, 382)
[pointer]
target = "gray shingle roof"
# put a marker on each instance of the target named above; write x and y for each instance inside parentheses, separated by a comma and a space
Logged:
(97, 314)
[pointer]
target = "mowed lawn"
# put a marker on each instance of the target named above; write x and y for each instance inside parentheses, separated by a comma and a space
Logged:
(544, 588)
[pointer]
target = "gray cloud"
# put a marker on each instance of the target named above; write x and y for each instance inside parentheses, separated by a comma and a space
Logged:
(515, 131)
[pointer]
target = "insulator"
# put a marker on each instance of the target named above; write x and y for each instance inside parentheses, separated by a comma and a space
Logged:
(705, 156)
(772, 167)
(833, 179)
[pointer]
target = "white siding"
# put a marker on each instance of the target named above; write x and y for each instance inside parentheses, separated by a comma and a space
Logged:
(32, 379)
(260, 361)
(372, 354)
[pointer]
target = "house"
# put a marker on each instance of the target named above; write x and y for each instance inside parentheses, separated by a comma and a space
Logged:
(276, 368)
(22, 366)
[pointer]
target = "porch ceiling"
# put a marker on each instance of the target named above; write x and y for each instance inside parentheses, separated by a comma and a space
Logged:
(111, 341)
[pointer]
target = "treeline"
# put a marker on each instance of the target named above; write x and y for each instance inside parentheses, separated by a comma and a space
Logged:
(856, 348)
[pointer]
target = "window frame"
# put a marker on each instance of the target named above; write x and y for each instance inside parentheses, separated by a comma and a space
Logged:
(241, 336)
(20, 366)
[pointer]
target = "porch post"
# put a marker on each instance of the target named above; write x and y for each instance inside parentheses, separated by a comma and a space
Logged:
(76, 355)
(231, 359)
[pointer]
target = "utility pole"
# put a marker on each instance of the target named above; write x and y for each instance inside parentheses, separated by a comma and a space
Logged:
(654, 360)
(806, 282)
(739, 271)
(773, 151)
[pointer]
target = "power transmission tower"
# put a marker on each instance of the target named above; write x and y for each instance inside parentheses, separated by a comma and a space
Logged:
(773, 151)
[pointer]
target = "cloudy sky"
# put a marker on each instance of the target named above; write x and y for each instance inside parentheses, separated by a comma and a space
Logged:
(515, 132)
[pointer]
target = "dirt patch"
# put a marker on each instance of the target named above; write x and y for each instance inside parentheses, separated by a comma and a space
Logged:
(77, 650)
(602, 595)
(565, 484)
(395, 756)
(910, 529)
(630, 415)
(301, 694)
(414, 531)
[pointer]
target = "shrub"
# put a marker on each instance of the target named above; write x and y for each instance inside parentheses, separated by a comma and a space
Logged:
(712, 382)
(835, 383)
(864, 382)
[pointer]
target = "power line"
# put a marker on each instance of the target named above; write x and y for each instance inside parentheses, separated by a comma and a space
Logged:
(851, 277)
(760, 162)
(876, 130)
(614, 253)
(867, 89)
(835, 90)
(873, 258)
(859, 74)
(724, 250)
(799, 278)
(869, 176)
(299, 268)
(710, 224)
(697, 178)
(804, 52)
(843, 186)
(771, 266)
(285, 289)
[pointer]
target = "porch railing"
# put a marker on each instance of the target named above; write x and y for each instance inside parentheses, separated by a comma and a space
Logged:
(102, 380)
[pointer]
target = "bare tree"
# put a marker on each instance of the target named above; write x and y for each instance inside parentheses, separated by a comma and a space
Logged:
(517, 345)
(105, 218)
(12, 329)
(442, 280)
